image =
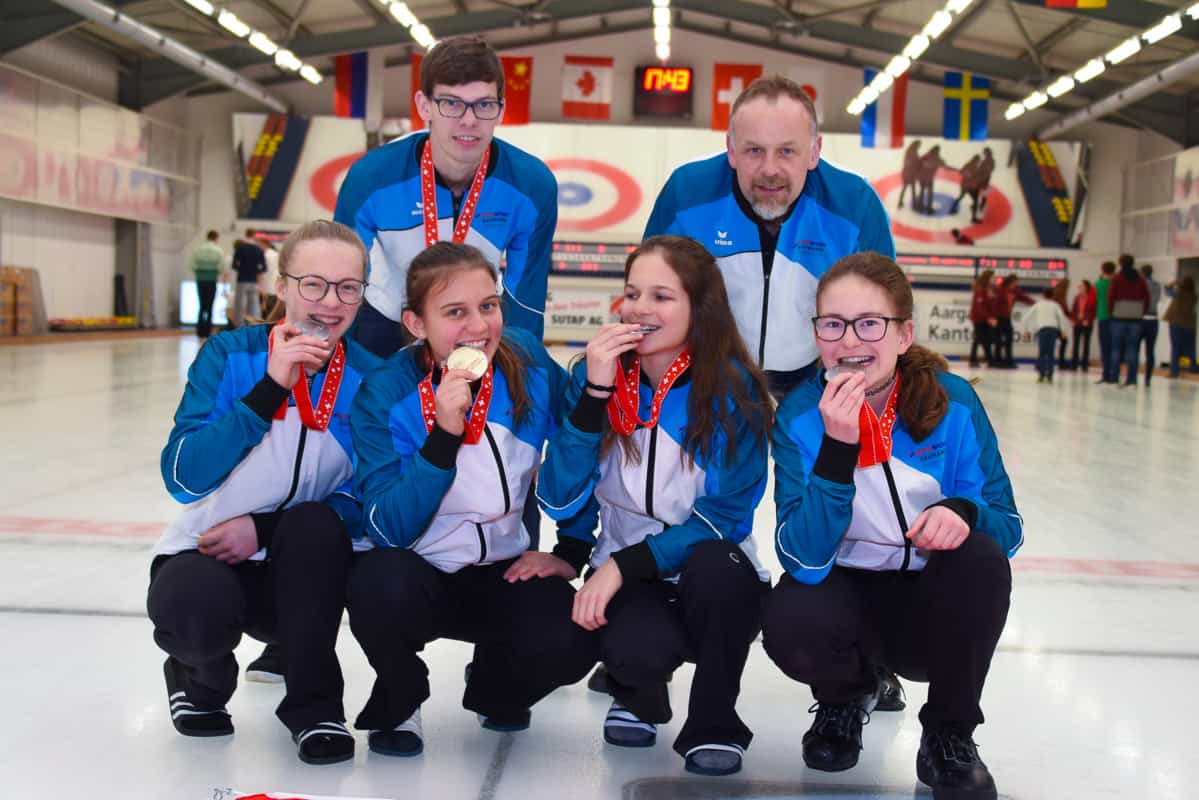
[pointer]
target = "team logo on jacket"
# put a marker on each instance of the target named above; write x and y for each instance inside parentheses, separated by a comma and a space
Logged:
(927, 453)
(722, 238)
(810, 246)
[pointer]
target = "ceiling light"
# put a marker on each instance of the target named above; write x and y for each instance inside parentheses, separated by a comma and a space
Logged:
(1163, 29)
(661, 3)
(1035, 100)
(230, 22)
(937, 24)
(1089, 70)
(868, 95)
(263, 43)
(662, 17)
(420, 32)
(310, 74)
(882, 82)
(916, 46)
(287, 59)
(1193, 11)
(958, 6)
(662, 51)
(662, 35)
(1127, 48)
(403, 14)
(203, 6)
(898, 65)
(1013, 111)
(856, 107)
(1060, 86)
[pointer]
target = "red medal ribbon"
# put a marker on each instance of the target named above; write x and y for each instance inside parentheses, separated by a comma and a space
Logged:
(317, 418)
(478, 412)
(875, 431)
(626, 400)
(428, 197)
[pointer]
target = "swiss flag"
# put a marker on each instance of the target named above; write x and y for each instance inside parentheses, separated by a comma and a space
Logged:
(729, 81)
(417, 122)
(587, 87)
(518, 84)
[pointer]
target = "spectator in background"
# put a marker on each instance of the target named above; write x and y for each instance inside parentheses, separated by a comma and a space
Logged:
(248, 264)
(1180, 316)
(1061, 291)
(1010, 293)
(983, 304)
(1127, 304)
(1149, 324)
(207, 262)
(1046, 321)
(1104, 316)
(268, 279)
(1082, 314)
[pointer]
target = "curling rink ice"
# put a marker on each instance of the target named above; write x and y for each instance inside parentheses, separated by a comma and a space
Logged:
(1091, 695)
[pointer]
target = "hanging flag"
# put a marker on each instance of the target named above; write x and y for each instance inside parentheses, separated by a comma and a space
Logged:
(966, 100)
(518, 84)
(413, 88)
(375, 68)
(1075, 3)
(811, 80)
(587, 87)
(883, 120)
(349, 88)
(730, 80)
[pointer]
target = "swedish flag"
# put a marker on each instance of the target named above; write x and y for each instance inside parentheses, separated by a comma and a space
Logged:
(966, 100)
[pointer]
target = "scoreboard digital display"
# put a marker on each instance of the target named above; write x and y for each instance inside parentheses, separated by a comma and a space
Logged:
(660, 91)
(969, 266)
(590, 258)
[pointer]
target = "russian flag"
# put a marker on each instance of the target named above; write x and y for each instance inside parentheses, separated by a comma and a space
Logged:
(349, 90)
(883, 120)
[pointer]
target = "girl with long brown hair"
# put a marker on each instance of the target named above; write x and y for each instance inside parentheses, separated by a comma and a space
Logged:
(666, 444)
(449, 435)
(895, 524)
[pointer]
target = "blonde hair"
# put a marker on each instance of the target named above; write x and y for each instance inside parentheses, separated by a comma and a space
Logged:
(316, 230)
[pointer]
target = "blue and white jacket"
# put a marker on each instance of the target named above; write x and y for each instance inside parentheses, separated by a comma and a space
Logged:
(227, 455)
(516, 214)
(652, 513)
(830, 511)
(772, 282)
(454, 504)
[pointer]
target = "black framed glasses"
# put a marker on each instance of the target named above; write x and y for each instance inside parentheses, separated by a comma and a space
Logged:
(455, 107)
(869, 328)
(313, 288)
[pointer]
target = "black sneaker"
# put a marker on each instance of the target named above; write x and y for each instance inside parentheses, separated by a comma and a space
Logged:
(406, 739)
(714, 759)
(268, 667)
(598, 682)
(518, 722)
(834, 741)
(890, 691)
(189, 719)
(948, 761)
(325, 743)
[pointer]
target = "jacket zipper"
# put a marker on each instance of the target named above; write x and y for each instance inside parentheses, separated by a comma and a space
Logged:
(649, 471)
(482, 543)
(295, 477)
(903, 523)
(495, 451)
(765, 317)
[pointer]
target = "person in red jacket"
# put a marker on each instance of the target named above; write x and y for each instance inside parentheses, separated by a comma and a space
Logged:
(1009, 294)
(1127, 302)
(982, 314)
(1082, 315)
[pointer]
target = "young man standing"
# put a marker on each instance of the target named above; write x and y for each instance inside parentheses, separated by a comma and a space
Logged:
(776, 217)
(454, 182)
(1104, 316)
(207, 262)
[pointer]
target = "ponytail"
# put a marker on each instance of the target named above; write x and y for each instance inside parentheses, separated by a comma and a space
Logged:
(923, 401)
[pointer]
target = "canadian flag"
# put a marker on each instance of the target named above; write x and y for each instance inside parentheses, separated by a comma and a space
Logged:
(587, 87)
(730, 80)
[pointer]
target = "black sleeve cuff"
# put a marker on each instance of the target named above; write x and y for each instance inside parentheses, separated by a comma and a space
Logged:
(636, 562)
(836, 460)
(573, 551)
(265, 398)
(441, 448)
(588, 414)
(964, 508)
(265, 524)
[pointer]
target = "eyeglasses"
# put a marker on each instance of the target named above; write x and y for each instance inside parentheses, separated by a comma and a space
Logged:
(313, 288)
(870, 328)
(455, 108)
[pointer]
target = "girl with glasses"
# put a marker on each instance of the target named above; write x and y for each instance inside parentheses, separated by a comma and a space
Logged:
(449, 433)
(666, 444)
(895, 525)
(261, 458)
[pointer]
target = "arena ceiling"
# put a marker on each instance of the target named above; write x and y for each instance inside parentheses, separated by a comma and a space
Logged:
(1019, 44)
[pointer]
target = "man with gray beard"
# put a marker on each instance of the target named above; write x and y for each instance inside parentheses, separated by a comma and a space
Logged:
(776, 216)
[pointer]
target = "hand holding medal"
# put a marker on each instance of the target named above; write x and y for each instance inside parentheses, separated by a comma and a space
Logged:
(294, 347)
(447, 407)
(605, 349)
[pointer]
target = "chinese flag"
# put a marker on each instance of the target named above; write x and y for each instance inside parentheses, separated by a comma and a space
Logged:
(518, 83)
(730, 80)
(417, 122)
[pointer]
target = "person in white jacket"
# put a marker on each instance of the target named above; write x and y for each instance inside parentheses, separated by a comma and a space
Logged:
(1046, 321)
